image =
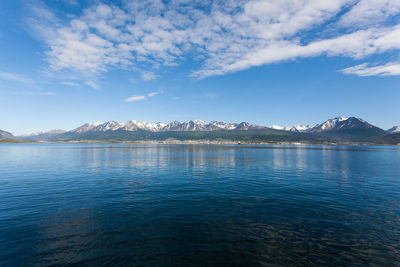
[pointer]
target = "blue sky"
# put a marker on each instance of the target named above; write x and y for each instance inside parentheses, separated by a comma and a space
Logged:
(66, 62)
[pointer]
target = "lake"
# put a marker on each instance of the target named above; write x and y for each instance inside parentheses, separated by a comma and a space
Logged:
(209, 205)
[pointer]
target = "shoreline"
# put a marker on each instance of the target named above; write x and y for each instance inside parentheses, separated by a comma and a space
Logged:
(194, 142)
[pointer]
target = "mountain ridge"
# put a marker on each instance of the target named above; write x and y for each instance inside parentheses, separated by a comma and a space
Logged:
(335, 124)
(338, 129)
(192, 125)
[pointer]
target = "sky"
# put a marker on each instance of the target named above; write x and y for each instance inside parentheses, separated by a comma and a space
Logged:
(64, 63)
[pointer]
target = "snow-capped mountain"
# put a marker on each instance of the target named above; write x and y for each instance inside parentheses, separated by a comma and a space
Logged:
(395, 129)
(341, 129)
(193, 125)
(108, 126)
(86, 127)
(327, 125)
(334, 124)
(341, 123)
(143, 125)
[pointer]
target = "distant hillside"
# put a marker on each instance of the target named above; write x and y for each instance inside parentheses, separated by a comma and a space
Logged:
(6, 136)
(391, 139)
(355, 135)
(40, 136)
(264, 135)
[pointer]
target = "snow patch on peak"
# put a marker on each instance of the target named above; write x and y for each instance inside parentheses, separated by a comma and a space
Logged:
(281, 128)
(300, 128)
(86, 127)
(329, 124)
(395, 129)
(340, 118)
(108, 126)
(198, 121)
(296, 128)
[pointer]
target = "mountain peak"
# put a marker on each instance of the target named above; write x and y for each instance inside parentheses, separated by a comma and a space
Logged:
(341, 123)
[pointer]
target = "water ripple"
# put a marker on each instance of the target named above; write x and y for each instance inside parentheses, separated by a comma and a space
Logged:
(146, 205)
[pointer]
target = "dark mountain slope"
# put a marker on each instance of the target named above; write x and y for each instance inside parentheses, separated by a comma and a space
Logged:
(391, 139)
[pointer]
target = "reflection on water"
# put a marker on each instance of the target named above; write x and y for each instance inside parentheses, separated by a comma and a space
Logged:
(101, 204)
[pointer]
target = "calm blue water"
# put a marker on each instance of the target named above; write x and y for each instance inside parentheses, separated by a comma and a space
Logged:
(180, 205)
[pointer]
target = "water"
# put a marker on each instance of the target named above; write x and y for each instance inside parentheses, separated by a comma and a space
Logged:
(180, 205)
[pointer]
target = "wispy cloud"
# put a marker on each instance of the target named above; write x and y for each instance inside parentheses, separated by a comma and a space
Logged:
(389, 69)
(93, 84)
(370, 12)
(223, 36)
(175, 97)
(136, 98)
(36, 93)
(142, 97)
(16, 78)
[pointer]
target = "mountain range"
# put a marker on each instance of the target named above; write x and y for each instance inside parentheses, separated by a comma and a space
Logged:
(333, 130)
(336, 130)
(193, 125)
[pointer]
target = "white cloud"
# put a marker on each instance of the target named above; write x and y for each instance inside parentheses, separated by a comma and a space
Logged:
(222, 36)
(71, 84)
(369, 12)
(356, 45)
(148, 76)
(175, 98)
(142, 97)
(154, 94)
(136, 98)
(389, 69)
